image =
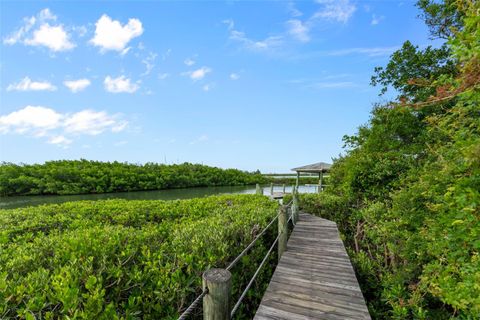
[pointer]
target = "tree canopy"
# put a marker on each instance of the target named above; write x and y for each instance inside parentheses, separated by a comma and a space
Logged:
(83, 176)
(406, 193)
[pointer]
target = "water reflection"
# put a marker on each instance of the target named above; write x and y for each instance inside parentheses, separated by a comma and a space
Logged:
(171, 194)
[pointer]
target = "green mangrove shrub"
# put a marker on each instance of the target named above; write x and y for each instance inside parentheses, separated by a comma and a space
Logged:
(119, 259)
(83, 176)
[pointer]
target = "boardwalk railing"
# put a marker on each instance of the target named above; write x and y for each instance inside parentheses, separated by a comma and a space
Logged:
(217, 283)
(275, 193)
(259, 189)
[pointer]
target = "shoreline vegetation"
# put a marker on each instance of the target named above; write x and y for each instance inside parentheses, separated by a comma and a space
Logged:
(114, 259)
(69, 177)
(76, 177)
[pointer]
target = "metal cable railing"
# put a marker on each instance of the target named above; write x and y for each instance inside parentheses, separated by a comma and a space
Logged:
(197, 300)
(193, 306)
(230, 266)
(237, 305)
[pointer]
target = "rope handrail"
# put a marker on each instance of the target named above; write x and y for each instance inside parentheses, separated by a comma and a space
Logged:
(251, 244)
(195, 303)
(192, 306)
(237, 305)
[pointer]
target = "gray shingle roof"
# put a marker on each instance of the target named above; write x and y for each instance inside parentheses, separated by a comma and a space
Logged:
(316, 167)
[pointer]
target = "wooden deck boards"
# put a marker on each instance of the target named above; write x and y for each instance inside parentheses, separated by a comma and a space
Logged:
(278, 195)
(314, 278)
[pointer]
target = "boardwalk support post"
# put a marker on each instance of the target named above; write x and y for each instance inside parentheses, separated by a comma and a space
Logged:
(271, 189)
(295, 207)
(320, 182)
(216, 304)
(284, 189)
(258, 190)
(282, 231)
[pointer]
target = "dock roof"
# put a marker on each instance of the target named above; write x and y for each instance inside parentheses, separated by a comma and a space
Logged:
(314, 168)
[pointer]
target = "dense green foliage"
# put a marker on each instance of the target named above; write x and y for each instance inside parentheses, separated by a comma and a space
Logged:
(406, 194)
(82, 176)
(126, 259)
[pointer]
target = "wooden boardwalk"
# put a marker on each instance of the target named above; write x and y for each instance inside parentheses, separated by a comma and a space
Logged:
(278, 195)
(314, 278)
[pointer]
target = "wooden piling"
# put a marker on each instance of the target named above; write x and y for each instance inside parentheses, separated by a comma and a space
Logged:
(216, 303)
(320, 182)
(271, 189)
(295, 208)
(282, 231)
(258, 189)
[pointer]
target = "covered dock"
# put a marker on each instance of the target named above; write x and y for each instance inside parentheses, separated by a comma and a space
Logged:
(319, 168)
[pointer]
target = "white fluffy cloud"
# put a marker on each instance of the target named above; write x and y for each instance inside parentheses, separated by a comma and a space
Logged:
(77, 85)
(91, 122)
(37, 31)
(111, 35)
(60, 140)
(120, 84)
(30, 118)
(26, 84)
(298, 30)
(234, 76)
(59, 128)
(337, 10)
(198, 74)
(53, 37)
(46, 14)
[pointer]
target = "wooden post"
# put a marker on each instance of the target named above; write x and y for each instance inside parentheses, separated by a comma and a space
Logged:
(216, 303)
(283, 188)
(282, 231)
(320, 182)
(295, 208)
(258, 189)
(271, 189)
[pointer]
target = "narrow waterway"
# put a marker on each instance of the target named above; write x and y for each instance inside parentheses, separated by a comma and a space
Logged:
(170, 194)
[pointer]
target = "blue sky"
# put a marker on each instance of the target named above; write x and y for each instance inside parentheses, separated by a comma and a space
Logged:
(251, 85)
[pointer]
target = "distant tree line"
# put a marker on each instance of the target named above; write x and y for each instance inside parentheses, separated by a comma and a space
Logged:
(83, 177)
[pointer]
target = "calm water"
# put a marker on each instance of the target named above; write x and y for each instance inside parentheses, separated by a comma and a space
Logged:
(171, 194)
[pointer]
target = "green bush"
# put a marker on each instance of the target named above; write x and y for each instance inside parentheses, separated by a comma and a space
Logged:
(126, 259)
(83, 176)
(406, 193)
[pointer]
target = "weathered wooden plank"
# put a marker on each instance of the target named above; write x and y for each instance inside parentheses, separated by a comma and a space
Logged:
(314, 278)
(335, 295)
(325, 287)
